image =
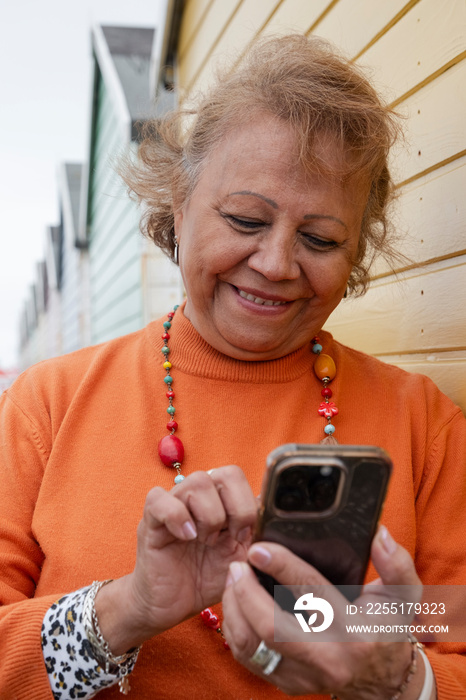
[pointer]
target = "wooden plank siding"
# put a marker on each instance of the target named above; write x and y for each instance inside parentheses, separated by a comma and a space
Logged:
(427, 39)
(115, 247)
(193, 17)
(296, 16)
(415, 52)
(354, 24)
(434, 202)
(161, 280)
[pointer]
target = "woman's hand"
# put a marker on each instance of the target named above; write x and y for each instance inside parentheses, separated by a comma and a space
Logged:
(359, 670)
(186, 540)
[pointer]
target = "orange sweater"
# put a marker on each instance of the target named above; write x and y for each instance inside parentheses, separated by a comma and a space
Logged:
(78, 454)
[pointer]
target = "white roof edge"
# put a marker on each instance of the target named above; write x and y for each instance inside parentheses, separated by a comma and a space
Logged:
(85, 175)
(50, 259)
(163, 20)
(40, 286)
(68, 221)
(106, 66)
(112, 81)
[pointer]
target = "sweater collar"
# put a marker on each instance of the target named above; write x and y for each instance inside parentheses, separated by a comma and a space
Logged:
(191, 354)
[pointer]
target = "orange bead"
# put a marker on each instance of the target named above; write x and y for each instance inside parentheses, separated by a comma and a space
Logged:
(324, 366)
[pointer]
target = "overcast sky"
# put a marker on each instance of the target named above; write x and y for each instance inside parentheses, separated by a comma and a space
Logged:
(45, 72)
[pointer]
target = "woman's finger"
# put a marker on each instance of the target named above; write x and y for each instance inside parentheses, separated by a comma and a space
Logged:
(393, 563)
(257, 607)
(201, 506)
(238, 500)
(251, 616)
(248, 612)
(287, 568)
(164, 519)
(237, 630)
(200, 495)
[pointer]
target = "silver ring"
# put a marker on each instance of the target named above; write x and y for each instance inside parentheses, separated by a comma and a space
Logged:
(267, 659)
(273, 663)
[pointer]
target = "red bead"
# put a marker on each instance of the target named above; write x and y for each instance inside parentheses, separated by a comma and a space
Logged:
(326, 392)
(206, 614)
(170, 394)
(166, 336)
(226, 645)
(170, 315)
(210, 619)
(172, 425)
(171, 450)
(316, 339)
(213, 622)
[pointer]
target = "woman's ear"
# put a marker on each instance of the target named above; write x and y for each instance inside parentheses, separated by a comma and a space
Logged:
(178, 205)
(177, 229)
(178, 223)
(178, 212)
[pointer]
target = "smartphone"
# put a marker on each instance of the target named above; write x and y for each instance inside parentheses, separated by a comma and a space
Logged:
(323, 502)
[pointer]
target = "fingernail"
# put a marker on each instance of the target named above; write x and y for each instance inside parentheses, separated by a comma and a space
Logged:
(388, 542)
(236, 570)
(244, 534)
(259, 556)
(189, 530)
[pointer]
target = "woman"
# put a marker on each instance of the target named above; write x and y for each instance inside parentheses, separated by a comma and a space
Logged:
(273, 203)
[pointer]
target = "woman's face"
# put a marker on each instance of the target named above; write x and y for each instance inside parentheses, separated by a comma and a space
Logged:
(265, 250)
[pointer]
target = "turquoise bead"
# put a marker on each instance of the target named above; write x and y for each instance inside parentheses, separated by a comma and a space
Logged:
(317, 348)
(179, 478)
(168, 379)
(329, 429)
(165, 350)
(167, 325)
(177, 306)
(171, 410)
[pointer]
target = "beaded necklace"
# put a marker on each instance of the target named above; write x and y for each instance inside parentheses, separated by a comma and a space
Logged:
(171, 449)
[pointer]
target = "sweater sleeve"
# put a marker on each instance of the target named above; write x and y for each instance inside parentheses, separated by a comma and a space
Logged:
(23, 456)
(441, 533)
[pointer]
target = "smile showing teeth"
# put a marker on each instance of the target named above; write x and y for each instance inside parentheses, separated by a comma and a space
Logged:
(259, 300)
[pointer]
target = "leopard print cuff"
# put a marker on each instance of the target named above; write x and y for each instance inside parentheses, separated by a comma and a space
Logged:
(72, 669)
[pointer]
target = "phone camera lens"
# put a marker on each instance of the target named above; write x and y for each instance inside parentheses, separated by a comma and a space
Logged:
(307, 488)
(294, 477)
(290, 499)
(291, 490)
(322, 487)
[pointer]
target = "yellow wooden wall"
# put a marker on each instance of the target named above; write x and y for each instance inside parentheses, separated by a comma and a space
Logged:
(416, 54)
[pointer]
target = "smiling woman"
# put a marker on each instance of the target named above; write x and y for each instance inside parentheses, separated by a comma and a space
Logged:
(318, 97)
(285, 241)
(274, 198)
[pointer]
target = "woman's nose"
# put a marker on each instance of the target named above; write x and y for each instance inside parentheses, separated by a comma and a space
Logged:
(276, 258)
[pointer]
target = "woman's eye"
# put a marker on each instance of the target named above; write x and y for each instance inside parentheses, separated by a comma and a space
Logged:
(245, 224)
(318, 243)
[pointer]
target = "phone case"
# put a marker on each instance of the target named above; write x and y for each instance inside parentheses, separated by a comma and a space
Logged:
(323, 502)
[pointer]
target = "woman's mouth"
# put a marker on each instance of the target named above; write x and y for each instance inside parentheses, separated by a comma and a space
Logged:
(260, 301)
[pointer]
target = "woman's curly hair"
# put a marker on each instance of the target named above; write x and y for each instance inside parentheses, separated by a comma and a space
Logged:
(301, 80)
